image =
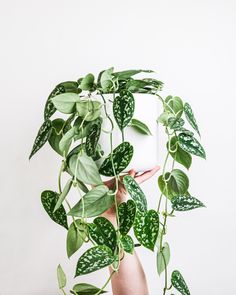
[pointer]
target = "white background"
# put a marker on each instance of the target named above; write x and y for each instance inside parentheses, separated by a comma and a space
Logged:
(191, 45)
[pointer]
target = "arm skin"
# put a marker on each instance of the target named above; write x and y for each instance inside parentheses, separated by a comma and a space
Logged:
(130, 279)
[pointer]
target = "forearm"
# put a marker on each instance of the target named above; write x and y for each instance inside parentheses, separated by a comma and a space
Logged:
(130, 278)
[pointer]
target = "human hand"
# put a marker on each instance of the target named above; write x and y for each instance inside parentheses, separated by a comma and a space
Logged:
(122, 193)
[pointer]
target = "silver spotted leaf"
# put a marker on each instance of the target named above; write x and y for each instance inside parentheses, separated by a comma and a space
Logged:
(175, 123)
(191, 145)
(185, 203)
(123, 108)
(126, 213)
(103, 232)
(135, 192)
(86, 289)
(94, 259)
(42, 137)
(190, 116)
(179, 283)
(68, 86)
(121, 156)
(93, 137)
(93, 203)
(49, 200)
(146, 227)
(128, 244)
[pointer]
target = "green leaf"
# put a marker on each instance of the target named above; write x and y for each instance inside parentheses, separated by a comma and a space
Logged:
(96, 201)
(94, 259)
(65, 103)
(178, 282)
(86, 289)
(185, 203)
(123, 75)
(163, 258)
(49, 200)
(85, 169)
(175, 123)
(61, 277)
(89, 109)
(42, 137)
(121, 155)
(123, 108)
(140, 127)
(178, 182)
(190, 145)
(164, 118)
(174, 105)
(56, 135)
(75, 237)
(179, 154)
(87, 82)
(107, 80)
(146, 227)
(126, 213)
(190, 116)
(68, 86)
(93, 137)
(81, 131)
(135, 192)
(63, 194)
(103, 232)
(66, 141)
(128, 244)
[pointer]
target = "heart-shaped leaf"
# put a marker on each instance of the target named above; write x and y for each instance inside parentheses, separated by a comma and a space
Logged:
(191, 145)
(89, 109)
(185, 203)
(68, 86)
(106, 79)
(86, 289)
(174, 105)
(63, 194)
(163, 258)
(75, 237)
(175, 123)
(103, 232)
(140, 127)
(126, 213)
(87, 82)
(146, 227)
(42, 137)
(95, 202)
(190, 116)
(135, 192)
(61, 277)
(93, 259)
(128, 244)
(65, 102)
(56, 134)
(121, 156)
(85, 169)
(179, 283)
(123, 108)
(93, 137)
(49, 200)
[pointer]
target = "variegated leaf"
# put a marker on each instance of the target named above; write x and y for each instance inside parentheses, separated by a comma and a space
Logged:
(93, 137)
(94, 259)
(146, 227)
(126, 213)
(135, 192)
(175, 123)
(191, 145)
(123, 108)
(49, 200)
(190, 116)
(121, 155)
(128, 244)
(179, 283)
(42, 137)
(103, 232)
(185, 203)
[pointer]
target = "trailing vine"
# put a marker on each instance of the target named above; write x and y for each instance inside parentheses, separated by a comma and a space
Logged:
(76, 140)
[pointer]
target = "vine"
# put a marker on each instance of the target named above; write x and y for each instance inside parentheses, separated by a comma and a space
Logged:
(76, 140)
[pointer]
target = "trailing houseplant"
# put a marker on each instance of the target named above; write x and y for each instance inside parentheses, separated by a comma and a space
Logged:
(76, 139)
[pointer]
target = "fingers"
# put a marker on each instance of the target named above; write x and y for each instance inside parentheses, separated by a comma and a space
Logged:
(146, 175)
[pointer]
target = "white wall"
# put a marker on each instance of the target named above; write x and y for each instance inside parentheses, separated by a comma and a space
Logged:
(191, 45)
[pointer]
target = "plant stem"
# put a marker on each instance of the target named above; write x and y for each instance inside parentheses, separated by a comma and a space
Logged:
(107, 282)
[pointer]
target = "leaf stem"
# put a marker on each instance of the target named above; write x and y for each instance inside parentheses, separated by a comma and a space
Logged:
(106, 283)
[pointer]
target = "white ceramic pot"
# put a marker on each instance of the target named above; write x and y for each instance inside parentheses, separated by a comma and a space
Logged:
(145, 154)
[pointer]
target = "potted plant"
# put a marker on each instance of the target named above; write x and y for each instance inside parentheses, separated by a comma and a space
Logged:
(77, 136)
